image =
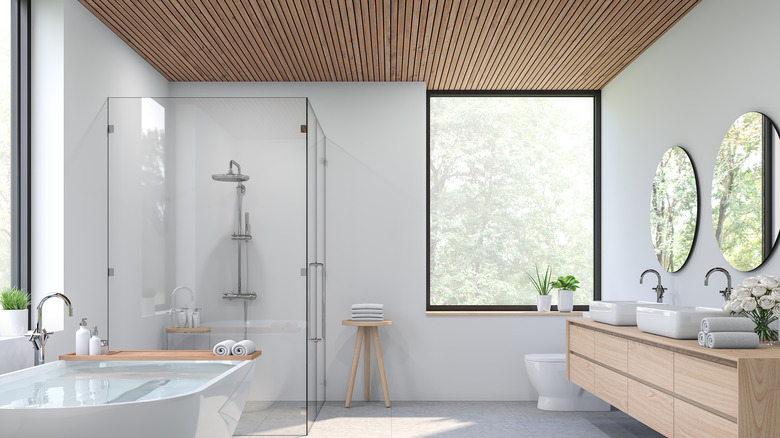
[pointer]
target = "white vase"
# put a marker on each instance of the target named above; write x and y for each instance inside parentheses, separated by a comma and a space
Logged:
(13, 322)
(565, 300)
(543, 303)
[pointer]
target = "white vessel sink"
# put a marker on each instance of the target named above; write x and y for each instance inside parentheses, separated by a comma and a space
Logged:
(618, 312)
(674, 322)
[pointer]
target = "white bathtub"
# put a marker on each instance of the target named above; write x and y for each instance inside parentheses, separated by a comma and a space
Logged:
(125, 399)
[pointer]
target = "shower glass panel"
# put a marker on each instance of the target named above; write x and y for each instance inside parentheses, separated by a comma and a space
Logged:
(251, 250)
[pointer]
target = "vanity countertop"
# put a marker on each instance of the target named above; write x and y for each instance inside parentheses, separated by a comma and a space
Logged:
(689, 347)
(160, 355)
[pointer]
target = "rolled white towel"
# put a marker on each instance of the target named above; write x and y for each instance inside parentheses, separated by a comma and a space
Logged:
(703, 339)
(243, 348)
(727, 324)
(224, 348)
(732, 340)
(368, 306)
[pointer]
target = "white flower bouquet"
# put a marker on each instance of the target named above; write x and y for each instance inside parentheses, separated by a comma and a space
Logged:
(758, 298)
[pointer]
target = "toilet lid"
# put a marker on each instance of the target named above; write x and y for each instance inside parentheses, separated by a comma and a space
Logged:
(550, 357)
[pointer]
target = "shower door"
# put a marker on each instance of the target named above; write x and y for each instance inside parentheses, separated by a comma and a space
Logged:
(316, 267)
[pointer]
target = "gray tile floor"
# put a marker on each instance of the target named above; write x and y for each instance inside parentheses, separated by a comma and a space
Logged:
(450, 419)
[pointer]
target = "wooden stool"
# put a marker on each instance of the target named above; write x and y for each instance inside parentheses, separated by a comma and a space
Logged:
(364, 328)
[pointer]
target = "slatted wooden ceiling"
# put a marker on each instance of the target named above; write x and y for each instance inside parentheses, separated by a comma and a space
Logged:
(451, 45)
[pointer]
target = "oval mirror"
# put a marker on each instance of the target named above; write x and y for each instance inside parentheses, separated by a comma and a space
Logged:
(742, 197)
(674, 207)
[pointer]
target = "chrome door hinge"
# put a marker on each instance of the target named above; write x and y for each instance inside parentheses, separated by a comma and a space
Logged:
(110, 129)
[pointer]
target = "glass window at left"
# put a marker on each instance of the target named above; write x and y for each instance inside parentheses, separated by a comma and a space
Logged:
(14, 140)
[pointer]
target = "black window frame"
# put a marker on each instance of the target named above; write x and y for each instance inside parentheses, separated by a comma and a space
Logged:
(20, 146)
(596, 95)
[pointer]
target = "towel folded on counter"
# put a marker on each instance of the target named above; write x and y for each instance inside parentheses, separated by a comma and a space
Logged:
(365, 318)
(703, 339)
(244, 348)
(224, 348)
(371, 306)
(369, 312)
(727, 324)
(732, 340)
(367, 315)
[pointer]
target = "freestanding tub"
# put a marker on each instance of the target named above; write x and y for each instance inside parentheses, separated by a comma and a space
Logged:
(171, 399)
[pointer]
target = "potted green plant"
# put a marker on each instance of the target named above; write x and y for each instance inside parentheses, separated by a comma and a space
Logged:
(566, 287)
(13, 316)
(543, 285)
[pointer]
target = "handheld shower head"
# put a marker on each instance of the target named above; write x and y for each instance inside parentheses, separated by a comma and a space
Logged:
(230, 176)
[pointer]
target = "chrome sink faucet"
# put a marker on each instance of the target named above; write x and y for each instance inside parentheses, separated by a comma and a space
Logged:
(659, 289)
(726, 292)
(40, 335)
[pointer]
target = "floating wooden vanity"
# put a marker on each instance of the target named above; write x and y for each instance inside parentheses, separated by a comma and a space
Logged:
(675, 386)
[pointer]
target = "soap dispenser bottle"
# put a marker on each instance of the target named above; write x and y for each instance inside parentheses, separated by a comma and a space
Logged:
(94, 343)
(82, 339)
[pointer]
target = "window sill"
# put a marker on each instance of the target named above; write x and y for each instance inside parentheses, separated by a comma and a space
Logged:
(501, 313)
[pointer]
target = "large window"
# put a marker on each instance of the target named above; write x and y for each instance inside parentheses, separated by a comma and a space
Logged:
(512, 187)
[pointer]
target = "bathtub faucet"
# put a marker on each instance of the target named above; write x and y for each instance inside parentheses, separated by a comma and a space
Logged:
(40, 335)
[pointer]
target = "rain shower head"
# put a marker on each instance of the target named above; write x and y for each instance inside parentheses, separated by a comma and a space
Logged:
(230, 176)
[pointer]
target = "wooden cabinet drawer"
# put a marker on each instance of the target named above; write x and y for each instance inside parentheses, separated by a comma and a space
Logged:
(652, 407)
(694, 422)
(612, 388)
(581, 373)
(708, 383)
(651, 364)
(581, 340)
(611, 351)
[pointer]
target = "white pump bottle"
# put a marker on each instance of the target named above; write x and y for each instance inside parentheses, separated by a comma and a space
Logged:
(82, 339)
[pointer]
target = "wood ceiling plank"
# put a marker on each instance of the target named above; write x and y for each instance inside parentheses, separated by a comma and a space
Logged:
(202, 68)
(543, 29)
(368, 9)
(481, 42)
(297, 57)
(317, 41)
(449, 44)
(117, 26)
(452, 26)
(142, 30)
(416, 39)
(342, 29)
(244, 40)
(476, 42)
(553, 70)
(522, 45)
(326, 12)
(604, 19)
(300, 32)
(436, 39)
(610, 40)
(661, 24)
(558, 44)
(506, 31)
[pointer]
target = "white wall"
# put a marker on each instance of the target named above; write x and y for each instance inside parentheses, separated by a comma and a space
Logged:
(686, 90)
(78, 62)
(376, 251)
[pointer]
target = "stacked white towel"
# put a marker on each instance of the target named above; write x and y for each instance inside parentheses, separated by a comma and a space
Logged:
(727, 332)
(368, 312)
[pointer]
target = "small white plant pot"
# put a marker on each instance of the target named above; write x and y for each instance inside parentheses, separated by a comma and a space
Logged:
(13, 322)
(543, 303)
(565, 300)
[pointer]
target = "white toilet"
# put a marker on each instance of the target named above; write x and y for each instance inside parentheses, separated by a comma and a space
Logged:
(548, 376)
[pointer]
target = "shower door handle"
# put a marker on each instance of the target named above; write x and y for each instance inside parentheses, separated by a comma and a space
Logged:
(308, 296)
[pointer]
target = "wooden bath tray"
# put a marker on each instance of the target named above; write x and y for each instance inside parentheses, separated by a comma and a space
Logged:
(160, 355)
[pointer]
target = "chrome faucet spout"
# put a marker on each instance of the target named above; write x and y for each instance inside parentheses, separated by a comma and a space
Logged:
(173, 295)
(726, 292)
(659, 289)
(39, 336)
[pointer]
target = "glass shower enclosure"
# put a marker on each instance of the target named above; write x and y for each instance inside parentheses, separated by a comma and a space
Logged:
(216, 231)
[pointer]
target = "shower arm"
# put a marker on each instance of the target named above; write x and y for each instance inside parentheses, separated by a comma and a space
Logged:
(238, 167)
